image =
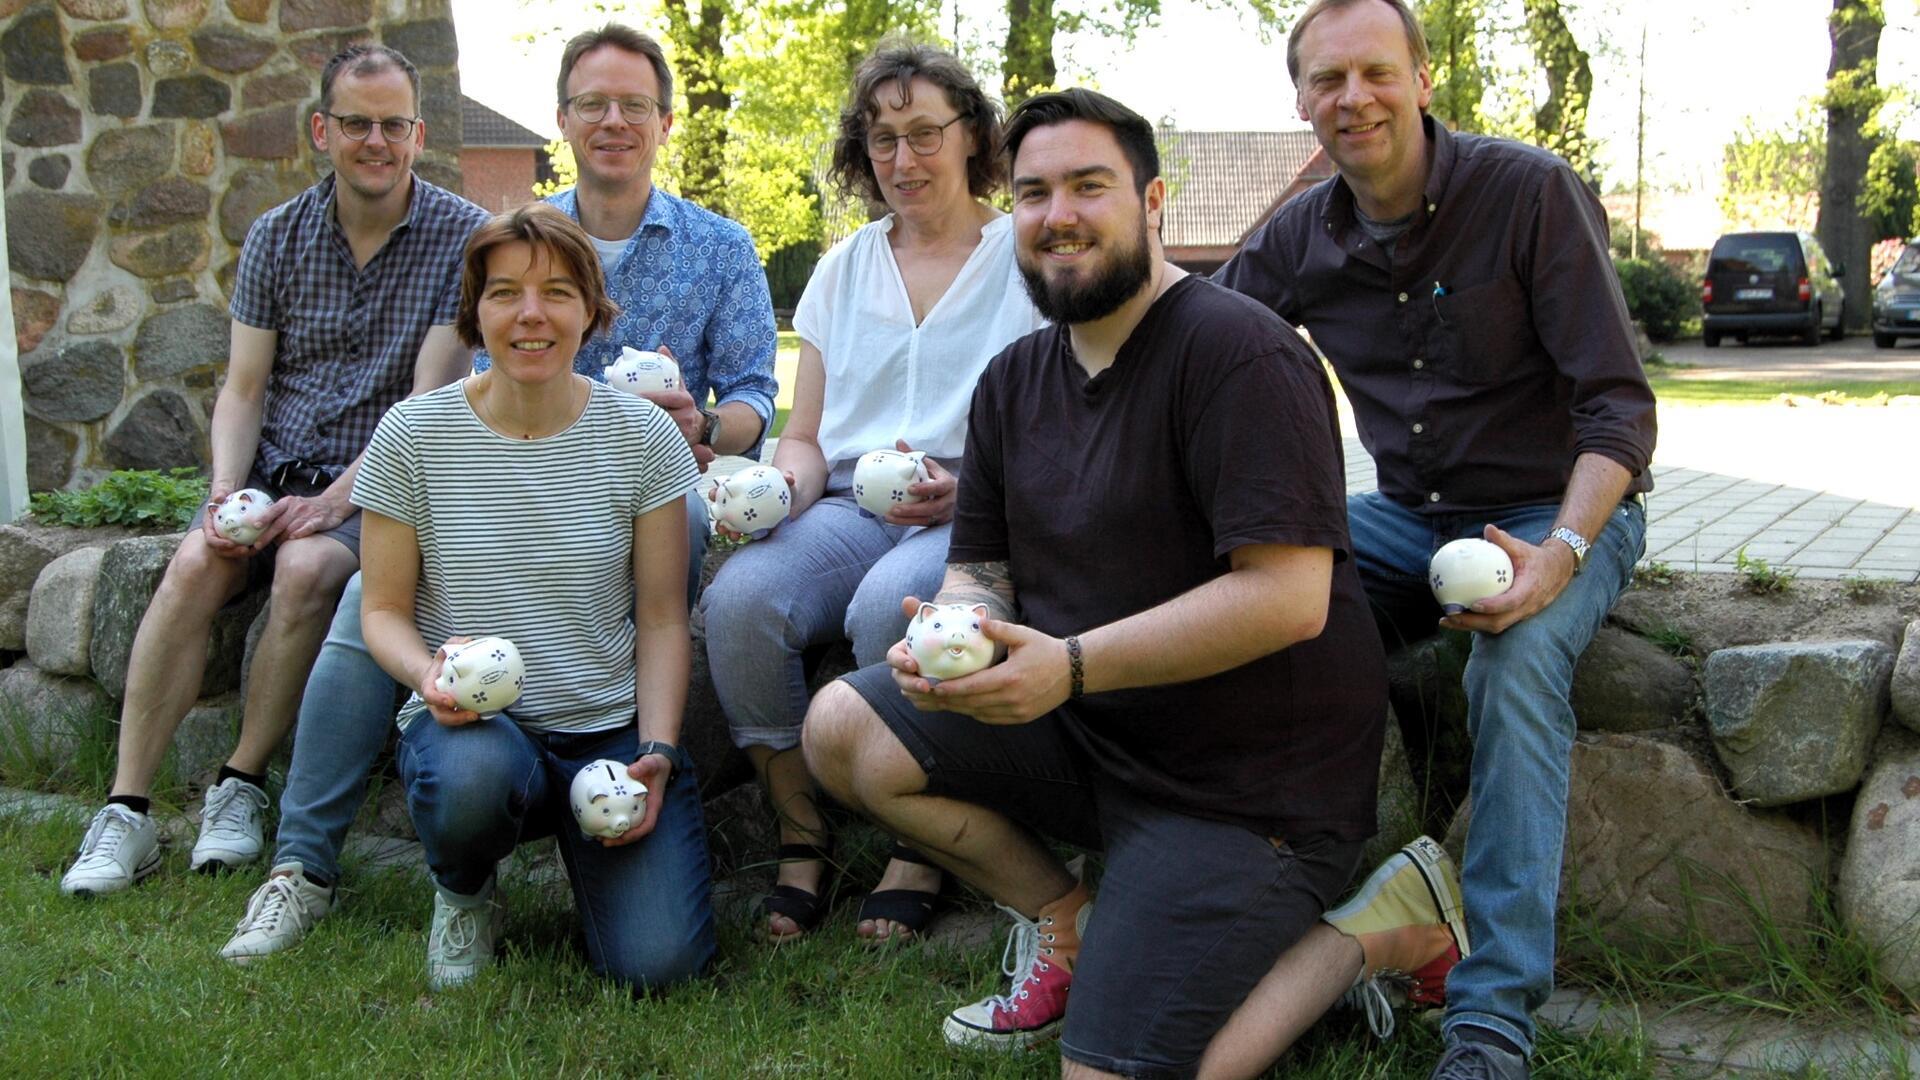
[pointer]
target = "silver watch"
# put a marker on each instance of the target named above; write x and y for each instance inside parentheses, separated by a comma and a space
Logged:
(1575, 541)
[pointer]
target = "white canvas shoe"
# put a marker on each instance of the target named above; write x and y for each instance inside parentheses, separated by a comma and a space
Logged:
(231, 826)
(121, 847)
(280, 913)
(460, 944)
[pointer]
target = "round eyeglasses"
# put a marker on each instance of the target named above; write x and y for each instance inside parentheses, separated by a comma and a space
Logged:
(392, 129)
(924, 141)
(592, 108)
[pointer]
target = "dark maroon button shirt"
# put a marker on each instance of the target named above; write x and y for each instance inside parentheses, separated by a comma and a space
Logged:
(1490, 348)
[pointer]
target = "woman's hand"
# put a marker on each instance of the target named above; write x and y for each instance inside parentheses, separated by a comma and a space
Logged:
(440, 702)
(721, 528)
(655, 771)
(937, 495)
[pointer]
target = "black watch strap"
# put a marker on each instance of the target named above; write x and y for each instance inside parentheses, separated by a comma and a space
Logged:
(674, 755)
(709, 426)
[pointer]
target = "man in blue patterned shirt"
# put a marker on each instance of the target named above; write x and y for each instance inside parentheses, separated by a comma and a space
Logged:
(343, 304)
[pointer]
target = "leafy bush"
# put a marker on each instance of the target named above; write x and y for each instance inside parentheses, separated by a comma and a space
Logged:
(1657, 295)
(144, 497)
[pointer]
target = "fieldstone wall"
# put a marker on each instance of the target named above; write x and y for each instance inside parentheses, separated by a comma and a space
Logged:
(140, 139)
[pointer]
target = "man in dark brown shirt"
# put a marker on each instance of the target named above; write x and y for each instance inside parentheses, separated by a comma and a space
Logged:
(1461, 287)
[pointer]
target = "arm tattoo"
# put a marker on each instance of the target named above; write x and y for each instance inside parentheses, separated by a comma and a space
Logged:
(987, 583)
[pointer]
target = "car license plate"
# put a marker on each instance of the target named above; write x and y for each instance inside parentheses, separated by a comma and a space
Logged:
(1753, 294)
(1911, 314)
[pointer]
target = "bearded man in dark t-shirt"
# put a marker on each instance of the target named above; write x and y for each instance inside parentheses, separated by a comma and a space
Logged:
(1152, 513)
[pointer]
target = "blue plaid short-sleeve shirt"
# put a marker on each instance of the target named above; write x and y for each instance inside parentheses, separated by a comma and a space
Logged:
(349, 336)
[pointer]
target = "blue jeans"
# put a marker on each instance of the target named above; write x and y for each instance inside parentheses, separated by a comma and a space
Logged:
(346, 714)
(476, 791)
(829, 574)
(1522, 726)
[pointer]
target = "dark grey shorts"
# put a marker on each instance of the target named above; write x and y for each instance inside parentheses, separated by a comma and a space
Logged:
(1191, 912)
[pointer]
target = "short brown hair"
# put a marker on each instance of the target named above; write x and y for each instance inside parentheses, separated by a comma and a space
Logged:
(620, 37)
(899, 61)
(1416, 37)
(547, 228)
(362, 60)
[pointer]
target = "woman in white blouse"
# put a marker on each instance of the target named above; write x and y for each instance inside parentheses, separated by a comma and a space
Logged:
(896, 325)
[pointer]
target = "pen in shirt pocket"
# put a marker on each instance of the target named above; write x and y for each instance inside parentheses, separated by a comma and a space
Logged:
(1439, 291)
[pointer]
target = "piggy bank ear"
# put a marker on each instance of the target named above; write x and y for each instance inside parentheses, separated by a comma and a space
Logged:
(979, 609)
(924, 613)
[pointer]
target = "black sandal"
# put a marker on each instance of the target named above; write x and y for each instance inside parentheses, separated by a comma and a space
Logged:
(911, 908)
(805, 908)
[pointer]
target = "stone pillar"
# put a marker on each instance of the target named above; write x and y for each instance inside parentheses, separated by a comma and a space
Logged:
(141, 139)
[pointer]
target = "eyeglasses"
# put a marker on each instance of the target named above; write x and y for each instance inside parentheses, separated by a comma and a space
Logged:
(592, 108)
(924, 141)
(393, 128)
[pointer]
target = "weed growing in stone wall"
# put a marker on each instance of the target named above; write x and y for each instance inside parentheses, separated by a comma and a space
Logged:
(144, 497)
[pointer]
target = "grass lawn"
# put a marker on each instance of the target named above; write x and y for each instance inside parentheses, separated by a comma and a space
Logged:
(1671, 390)
(131, 984)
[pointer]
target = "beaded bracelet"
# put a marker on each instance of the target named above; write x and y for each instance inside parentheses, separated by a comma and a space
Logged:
(1076, 668)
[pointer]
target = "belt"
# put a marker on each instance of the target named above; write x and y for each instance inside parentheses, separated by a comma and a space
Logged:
(301, 474)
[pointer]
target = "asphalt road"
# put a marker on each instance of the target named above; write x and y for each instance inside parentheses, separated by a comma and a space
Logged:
(1852, 359)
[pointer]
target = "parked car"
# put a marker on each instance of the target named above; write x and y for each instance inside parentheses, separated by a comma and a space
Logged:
(1771, 283)
(1896, 300)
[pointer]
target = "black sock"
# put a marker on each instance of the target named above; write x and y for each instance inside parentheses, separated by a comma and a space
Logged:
(1486, 1036)
(315, 879)
(139, 804)
(228, 772)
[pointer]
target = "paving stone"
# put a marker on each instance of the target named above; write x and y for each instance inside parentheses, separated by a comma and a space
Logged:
(44, 118)
(114, 90)
(80, 380)
(32, 50)
(191, 96)
(50, 171)
(49, 234)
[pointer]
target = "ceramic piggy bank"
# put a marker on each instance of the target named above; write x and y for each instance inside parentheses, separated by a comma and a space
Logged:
(880, 479)
(752, 501)
(642, 372)
(1467, 571)
(947, 642)
(484, 675)
(238, 515)
(606, 801)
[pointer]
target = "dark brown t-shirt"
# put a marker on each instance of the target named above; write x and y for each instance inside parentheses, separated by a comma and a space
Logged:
(1489, 348)
(1214, 428)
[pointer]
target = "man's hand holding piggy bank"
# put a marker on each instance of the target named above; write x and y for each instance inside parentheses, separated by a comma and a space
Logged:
(640, 372)
(1033, 680)
(241, 516)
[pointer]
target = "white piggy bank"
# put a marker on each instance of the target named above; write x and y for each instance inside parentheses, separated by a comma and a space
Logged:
(752, 501)
(606, 801)
(640, 371)
(484, 675)
(238, 515)
(947, 642)
(1467, 571)
(880, 479)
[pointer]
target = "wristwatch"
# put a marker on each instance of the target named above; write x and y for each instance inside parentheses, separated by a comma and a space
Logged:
(674, 755)
(710, 428)
(1575, 541)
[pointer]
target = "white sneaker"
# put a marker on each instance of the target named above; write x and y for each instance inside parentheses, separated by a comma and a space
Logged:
(279, 915)
(120, 848)
(461, 941)
(231, 831)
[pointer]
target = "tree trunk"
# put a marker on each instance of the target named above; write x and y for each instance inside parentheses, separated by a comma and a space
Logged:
(1028, 65)
(1560, 123)
(1853, 97)
(701, 135)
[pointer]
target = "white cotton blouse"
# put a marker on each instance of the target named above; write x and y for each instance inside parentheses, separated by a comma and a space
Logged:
(888, 379)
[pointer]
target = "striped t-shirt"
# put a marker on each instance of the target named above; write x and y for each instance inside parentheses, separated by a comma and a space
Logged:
(531, 540)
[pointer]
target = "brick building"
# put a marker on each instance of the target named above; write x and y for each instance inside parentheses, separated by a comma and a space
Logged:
(499, 160)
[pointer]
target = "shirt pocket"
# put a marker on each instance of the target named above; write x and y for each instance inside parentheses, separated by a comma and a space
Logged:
(1480, 330)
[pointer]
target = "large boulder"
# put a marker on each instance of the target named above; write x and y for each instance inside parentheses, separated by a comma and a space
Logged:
(1398, 806)
(60, 616)
(46, 717)
(206, 736)
(1430, 706)
(1625, 683)
(1795, 720)
(129, 574)
(1880, 873)
(1658, 855)
(23, 554)
(1906, 680)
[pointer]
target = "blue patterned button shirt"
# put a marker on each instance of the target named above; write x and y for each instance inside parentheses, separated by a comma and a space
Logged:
(349, 336)
(691, 280)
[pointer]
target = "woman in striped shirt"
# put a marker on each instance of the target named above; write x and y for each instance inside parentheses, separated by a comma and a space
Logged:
(530, 503)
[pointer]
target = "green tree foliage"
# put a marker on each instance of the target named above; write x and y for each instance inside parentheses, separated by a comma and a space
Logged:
(1560, 121)
(1772, 178)
(1659, 298)
(1453, 29)
(1890, 195)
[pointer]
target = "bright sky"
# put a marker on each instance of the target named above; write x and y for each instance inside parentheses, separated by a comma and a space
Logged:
(1710, 65)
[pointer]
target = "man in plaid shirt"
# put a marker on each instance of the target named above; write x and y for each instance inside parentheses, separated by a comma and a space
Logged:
(343, 304)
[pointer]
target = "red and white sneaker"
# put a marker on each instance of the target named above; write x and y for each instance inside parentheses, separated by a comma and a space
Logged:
(1037, 957)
